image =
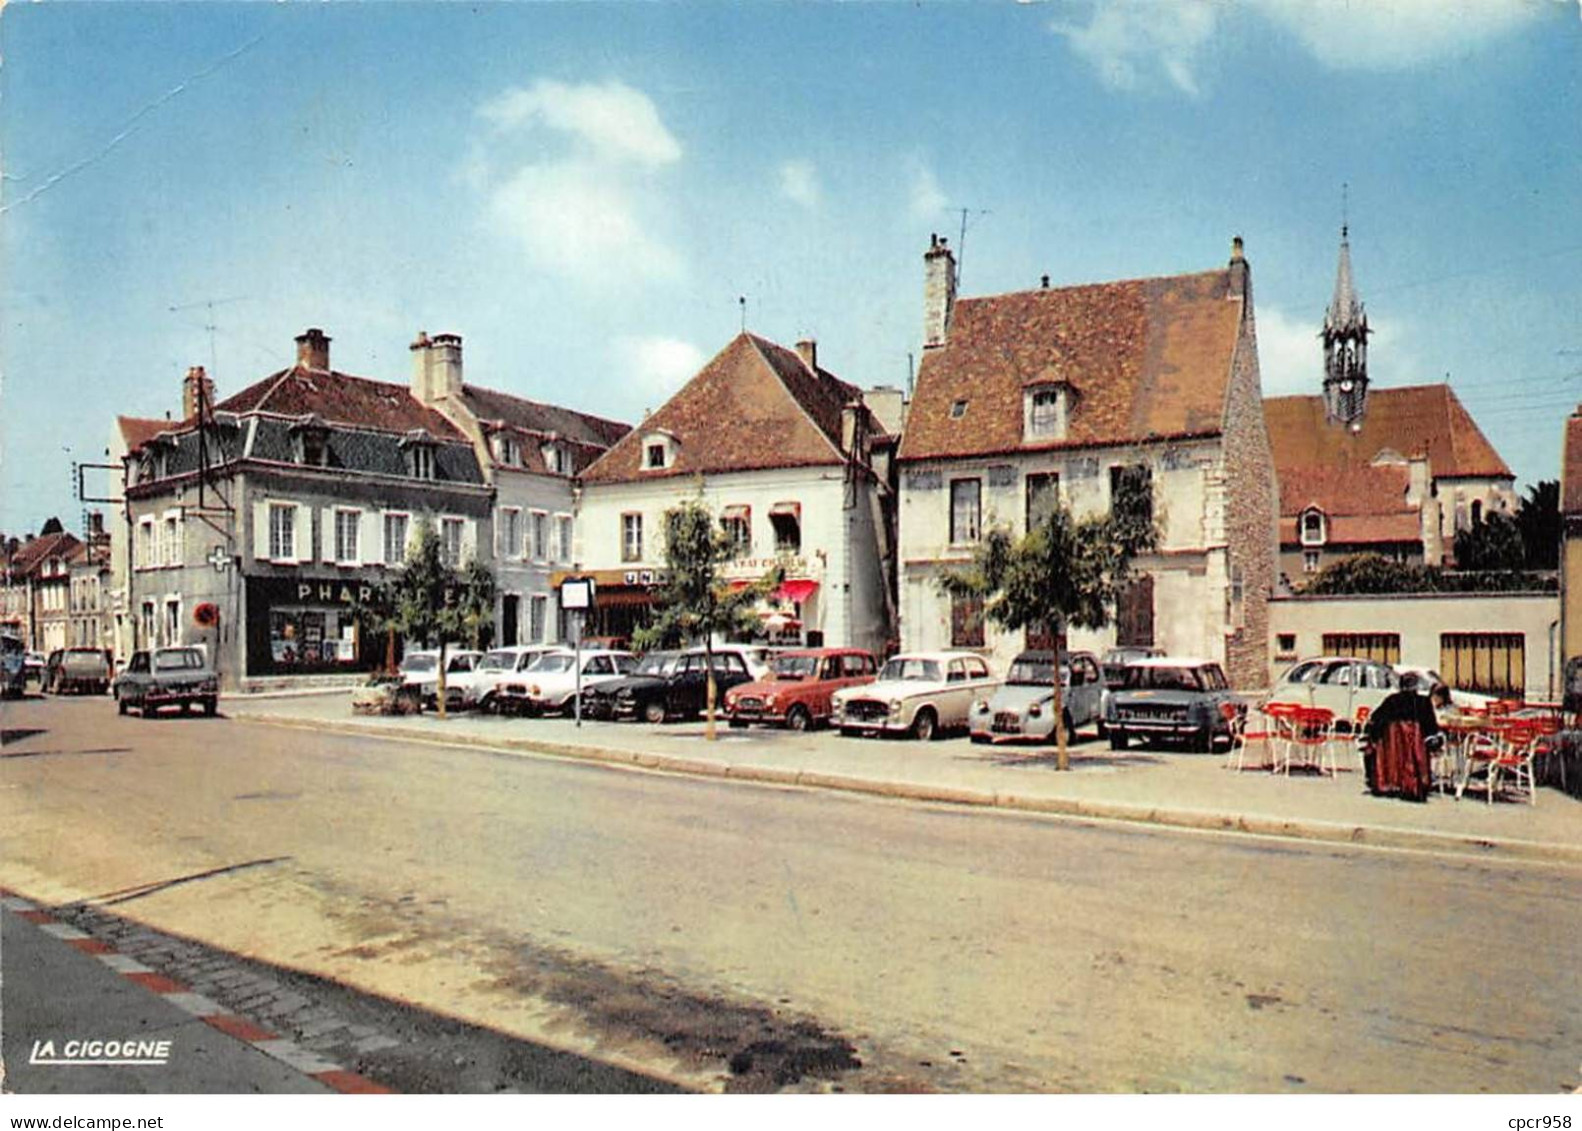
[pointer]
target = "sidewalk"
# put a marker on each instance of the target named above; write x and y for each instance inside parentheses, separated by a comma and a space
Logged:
(1163, 788)
(61, 991)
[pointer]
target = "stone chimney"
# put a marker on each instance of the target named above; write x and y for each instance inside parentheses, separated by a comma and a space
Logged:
(313, 350)
(1240, 278)
(939, 291)
(807, 350)
(436, 366)
(192, 384)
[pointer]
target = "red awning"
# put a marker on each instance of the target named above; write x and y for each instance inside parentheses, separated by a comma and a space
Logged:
(797, 589)
(741, 513)
(786, 510)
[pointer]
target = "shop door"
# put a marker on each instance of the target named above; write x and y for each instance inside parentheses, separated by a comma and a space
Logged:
(509, 615)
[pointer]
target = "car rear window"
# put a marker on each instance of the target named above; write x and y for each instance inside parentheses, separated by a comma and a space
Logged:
(177, 659)
(1164, 678)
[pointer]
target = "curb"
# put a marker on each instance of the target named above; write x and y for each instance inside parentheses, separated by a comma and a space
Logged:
(1330, 832)
(271, 1044)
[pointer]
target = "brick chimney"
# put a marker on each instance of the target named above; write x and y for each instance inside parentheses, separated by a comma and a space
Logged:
(939, 291)
(313, 350)
(1240, 279)
(807, 350)
(436, 366)
(195, 381)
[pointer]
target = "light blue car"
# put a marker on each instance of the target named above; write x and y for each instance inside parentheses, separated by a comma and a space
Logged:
(1022, 708)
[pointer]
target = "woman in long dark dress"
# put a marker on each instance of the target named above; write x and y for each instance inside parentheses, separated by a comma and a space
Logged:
(1399, 734)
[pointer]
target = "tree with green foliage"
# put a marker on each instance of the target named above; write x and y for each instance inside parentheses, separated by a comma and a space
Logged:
(1370, 573)
(1492, 542)
(1064, 572)
(696, 600)
(1540, 525)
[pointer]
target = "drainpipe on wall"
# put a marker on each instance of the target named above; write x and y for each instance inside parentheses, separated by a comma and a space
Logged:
(1554, 644)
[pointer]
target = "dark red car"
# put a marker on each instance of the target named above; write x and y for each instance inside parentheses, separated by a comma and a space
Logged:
(797, 690)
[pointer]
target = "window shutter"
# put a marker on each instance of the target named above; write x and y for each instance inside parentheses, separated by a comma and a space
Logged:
(301, 540)
(370, 538)
(499, 533)
(326, 535)
(260, 531)
(469, 540)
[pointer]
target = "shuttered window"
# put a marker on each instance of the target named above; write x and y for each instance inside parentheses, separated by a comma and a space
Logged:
(1380, 647)
(1494, 663)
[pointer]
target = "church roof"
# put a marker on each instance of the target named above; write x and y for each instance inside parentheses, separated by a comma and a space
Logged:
(1145, 358)
(1361, 505)
(1409, 421)
(1345, 308)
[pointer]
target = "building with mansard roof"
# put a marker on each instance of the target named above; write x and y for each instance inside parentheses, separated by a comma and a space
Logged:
(1060, 393)
(1358, 464)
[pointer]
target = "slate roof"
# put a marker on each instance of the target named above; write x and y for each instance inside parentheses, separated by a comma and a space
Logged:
(1145, 358)
(754, 405)
(341, 399)
(1413, 420)
(587, 437)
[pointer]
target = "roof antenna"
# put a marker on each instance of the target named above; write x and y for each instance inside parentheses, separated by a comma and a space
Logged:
(961, 243)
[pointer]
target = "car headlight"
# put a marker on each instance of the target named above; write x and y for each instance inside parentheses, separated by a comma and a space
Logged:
(981, 706)
(1034, 711)
(771, 702)
(533, 690)
(895, 708)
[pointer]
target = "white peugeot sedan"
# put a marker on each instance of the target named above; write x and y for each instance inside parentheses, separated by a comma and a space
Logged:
(552, 681)
(919, 693)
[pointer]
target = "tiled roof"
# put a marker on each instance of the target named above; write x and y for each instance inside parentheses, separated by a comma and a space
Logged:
(1362, 529)
(341, 399)
(1144, 358)
(754, 405)
(33, 554)
(1411, 421)
(585, 437)
(1571, 466)
(1356, 491)
(137, 430)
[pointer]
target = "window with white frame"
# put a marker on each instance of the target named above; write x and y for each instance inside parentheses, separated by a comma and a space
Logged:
(395, 538)
(737, 524)
(145, 543)
(537, 616)
(450, 534)
(1309, 561)
(966, 496)
(173, 620)
(172, 541)
(422, 457)
(1313, 532)
(538, 523)
(506, 450)
(1046, 413)
(563, 524)
(632, 537)
(348, 524)
(282, 532)
(510, 532)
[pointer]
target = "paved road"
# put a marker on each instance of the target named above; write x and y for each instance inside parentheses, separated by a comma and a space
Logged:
(962, 950)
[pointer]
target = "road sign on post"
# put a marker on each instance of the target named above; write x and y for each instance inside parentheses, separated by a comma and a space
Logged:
(576, 597)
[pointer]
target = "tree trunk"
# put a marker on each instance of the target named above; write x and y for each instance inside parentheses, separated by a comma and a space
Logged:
(390, 664)
(1062, 756)
(440, 698)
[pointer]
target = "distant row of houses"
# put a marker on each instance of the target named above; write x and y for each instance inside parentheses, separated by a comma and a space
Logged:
(284, 504)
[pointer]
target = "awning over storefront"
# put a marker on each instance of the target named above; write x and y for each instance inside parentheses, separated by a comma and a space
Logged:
(742, 513)
(786, 510)
(796, 589)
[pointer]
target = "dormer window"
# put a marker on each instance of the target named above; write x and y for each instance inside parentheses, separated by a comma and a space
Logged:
(659, 451)
(310, 438)
(1313, 527)
(958, 409)
(1045, 409)
(419, 446)
(556, 459)
(506, 450)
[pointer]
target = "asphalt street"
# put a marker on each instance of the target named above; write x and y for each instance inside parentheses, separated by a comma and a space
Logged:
(954, 949)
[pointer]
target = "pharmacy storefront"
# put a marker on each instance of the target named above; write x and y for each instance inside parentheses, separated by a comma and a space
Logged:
(304, 625)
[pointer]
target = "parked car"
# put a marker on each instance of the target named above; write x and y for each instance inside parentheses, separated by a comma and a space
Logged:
(13, 667)
(917, 693)
(78, 670)
(422, 669)
(1340, 683)
(598, 701)
(797, 692)
(1181, 700)
(1115, 662)
(551, 682)
(33, 665)
(499, 680)
(1428, 680)
(1023, 706)
(166, 676)
(678, 689)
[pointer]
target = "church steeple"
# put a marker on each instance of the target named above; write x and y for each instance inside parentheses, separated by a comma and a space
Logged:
(1345, 345)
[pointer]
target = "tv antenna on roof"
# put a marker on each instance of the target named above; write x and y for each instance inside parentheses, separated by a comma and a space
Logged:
(961, 242)
(210, 325)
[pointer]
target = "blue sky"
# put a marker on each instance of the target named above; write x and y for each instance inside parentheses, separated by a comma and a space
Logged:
(583, 191)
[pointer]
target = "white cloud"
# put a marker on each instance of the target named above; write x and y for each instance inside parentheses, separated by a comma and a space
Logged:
(799, 183)
(595, 212)
(1290, 356)
(1127, 38)
(611, 119)
(1130, 42)
(573, 218)
(657, 367)
(927, 200)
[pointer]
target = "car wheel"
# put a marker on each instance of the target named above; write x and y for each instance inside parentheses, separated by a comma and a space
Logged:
(848, 732)
(120, 705)
(924, 725)
(210, 706)
(1202, 742)
(737, 724)
(186, 707)
(799, 719)
(1118, 740)
(654, 712)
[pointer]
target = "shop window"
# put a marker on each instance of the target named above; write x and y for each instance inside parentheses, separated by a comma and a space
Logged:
(1380, 647)
(965, 510)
